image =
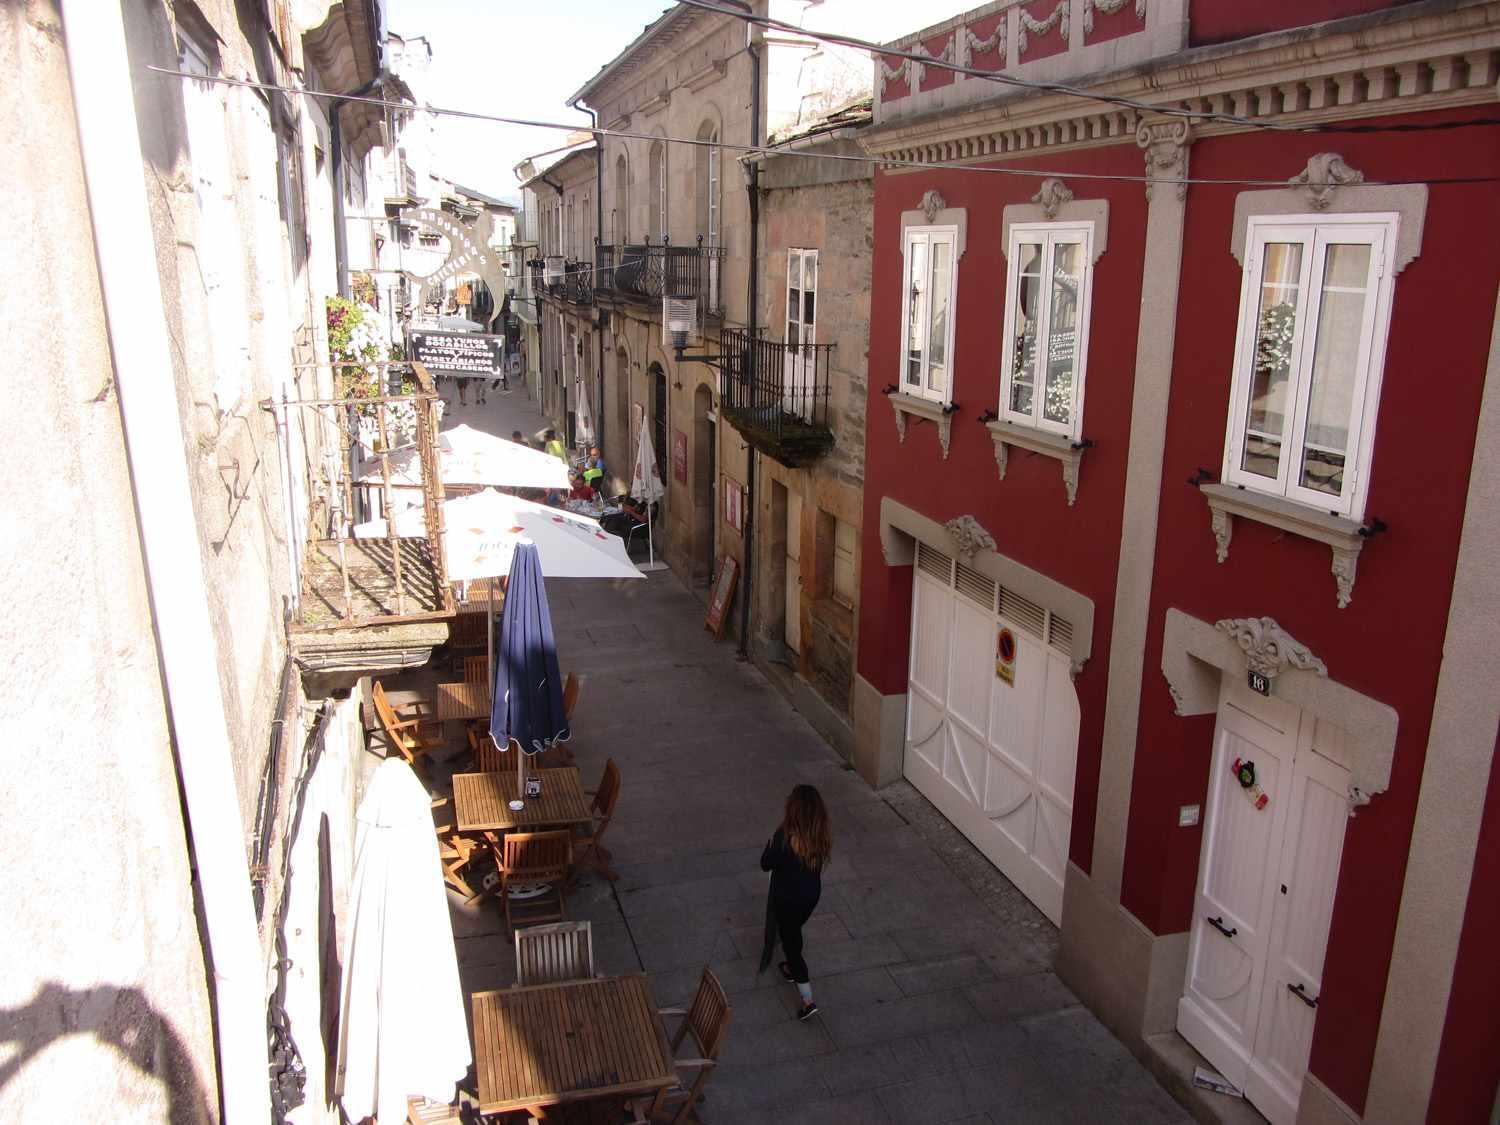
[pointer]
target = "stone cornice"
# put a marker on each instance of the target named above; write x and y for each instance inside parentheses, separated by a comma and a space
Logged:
(1441, 59)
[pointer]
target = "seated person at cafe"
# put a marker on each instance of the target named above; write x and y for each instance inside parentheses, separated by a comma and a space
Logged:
(593, 467)
(632, 513)
(519, 438)
(582, 489)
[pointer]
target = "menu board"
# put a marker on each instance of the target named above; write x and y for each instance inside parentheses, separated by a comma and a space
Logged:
(721, 595)
(459, 353)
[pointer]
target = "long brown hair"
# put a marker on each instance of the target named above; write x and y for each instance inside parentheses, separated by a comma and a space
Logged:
(806, 825)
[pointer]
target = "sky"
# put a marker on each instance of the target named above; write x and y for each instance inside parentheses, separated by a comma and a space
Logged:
(516, 58)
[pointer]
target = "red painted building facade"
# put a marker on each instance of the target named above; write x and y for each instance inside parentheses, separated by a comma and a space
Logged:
(1184, 425)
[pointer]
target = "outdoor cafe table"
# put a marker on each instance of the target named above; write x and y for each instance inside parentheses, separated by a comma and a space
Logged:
(481, 801)
(550, 1044)
(463, 701)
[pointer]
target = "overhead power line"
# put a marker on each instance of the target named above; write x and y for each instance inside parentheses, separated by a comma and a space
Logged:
(771, 150)
(878, 52)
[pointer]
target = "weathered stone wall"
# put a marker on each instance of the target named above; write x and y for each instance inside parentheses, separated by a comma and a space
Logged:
(104, 996)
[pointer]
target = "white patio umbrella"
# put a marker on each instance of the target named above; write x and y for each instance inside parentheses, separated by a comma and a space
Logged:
(583, 422)
(401, 1025)
(482, 530)
(646, 485)
(467, 456)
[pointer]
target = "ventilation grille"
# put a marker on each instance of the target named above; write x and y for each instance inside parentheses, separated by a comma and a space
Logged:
(935, 563)
(1060, 634)
(976, 587)
(1024, 612)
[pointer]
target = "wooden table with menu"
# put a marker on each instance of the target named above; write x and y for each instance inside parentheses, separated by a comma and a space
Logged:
(552, 1044)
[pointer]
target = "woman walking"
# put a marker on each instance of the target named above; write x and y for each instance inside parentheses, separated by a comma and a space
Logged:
(795, 856)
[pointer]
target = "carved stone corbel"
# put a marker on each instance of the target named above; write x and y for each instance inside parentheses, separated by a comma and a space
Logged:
(969, 536)
(901, 423)
(1223, 532)
(1344, 562)
(1269, 649)
(1002, 457)
(1051, 197)
(932, 203)
(1325, 174)
(1165, 143)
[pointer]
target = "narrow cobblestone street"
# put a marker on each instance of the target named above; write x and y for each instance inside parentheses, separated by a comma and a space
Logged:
(932, 972)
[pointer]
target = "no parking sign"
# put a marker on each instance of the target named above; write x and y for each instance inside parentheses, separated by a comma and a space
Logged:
(1005, 657)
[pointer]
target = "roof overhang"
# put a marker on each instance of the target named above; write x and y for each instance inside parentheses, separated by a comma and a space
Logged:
(667, 29)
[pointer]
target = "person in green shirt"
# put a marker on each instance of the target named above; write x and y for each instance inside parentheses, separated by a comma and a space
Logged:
(552, 445)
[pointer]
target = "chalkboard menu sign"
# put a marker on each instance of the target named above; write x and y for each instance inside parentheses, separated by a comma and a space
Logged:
(459, 353)
(721, 595)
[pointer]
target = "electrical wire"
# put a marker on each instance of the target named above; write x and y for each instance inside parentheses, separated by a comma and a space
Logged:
(878, 53)
(883, 162)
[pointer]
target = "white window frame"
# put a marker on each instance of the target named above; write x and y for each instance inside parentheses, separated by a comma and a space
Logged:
(1050, 235)
(1315, 232)
(928, 236)
(806, 333)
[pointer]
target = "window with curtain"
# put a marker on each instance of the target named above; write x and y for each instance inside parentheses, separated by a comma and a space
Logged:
(1314, 316)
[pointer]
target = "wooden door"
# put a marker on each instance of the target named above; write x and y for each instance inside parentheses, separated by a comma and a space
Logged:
(1266, 885)
(793, 571)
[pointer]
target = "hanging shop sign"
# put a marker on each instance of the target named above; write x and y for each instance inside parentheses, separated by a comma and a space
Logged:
(459, 353)
(469, 252)
(1005, 656)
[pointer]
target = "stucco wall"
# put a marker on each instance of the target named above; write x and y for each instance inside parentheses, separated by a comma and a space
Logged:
(103, 999)
(1027, 512)
(1388, 643)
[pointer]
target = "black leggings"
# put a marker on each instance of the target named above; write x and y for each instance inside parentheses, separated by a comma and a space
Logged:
(790, 918)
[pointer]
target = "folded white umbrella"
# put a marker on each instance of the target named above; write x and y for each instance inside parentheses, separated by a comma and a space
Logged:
(401, 1027)
(467, 456)
(482, 531)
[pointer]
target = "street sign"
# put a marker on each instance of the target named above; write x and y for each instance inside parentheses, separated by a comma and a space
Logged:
(459, 353)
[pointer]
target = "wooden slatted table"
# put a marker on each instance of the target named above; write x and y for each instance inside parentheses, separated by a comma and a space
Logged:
(556, 1043)
(463, 701)
(481, 801)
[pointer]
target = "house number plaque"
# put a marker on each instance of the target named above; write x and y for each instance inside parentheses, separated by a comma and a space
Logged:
(1259, 682)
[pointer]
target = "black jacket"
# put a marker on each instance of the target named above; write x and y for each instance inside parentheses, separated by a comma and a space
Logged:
(793, 883)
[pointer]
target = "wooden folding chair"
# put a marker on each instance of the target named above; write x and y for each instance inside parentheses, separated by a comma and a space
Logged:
(548, 954)
(572, 685)
(421, 1111)
(590, 840)
(413, 733)
(487, 757)
(476, 669)
(532, 858)
(456, 851)
(706, 1020)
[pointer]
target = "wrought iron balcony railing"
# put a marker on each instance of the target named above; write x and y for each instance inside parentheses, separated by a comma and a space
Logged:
(646, 272)
(776, 395)
(577, 285)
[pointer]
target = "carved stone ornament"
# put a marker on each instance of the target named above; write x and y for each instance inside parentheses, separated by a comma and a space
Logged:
(1223, 532)
(969, 536)
(900, 421)
(1109, 8)
(1165, 142)
(932, 203)
(1051, 197)
(1269, 649)
(1325, 174)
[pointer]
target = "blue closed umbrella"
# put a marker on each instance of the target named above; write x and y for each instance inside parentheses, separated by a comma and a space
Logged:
(527, 702)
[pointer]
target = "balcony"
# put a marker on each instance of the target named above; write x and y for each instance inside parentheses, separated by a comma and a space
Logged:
(776, 395)
(363, 458)
(645, 273)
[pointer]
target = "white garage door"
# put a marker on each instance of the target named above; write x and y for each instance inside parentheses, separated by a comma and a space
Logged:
(995, 756)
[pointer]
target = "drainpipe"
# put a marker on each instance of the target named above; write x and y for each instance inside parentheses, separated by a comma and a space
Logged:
(754, 189)
(598, 235)
(109, 140)
(541, 328)
(336, 143)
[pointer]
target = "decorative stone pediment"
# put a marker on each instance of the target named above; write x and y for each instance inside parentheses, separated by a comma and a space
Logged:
(1325, 174)
(1051, 196)
(969, 536)
(1269, 649)
(932, 203)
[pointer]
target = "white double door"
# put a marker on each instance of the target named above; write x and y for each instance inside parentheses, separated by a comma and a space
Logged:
(996, 757)
(1266, 883)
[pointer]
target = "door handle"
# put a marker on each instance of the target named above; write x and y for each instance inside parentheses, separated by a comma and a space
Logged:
(1300, 993)
(1218, 924)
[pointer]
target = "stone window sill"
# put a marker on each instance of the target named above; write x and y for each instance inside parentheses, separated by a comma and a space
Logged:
(1343, 536)
(916, 407)
(1056, 446)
